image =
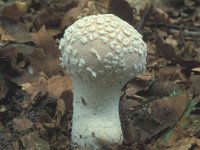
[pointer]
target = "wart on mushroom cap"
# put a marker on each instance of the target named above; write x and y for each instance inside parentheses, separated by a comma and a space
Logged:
(101, 53)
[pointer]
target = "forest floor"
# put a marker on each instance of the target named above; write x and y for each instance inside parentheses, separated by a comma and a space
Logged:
(160, 109)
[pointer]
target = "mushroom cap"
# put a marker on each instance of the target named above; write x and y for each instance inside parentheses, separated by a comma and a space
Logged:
(100, 46)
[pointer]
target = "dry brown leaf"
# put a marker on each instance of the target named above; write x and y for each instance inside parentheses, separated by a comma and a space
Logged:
(186, 143)
(162, 16)
(139, 5)
(35, 90)
(188, 63)
(52, 13)
(70, 17)
(130, 98)
(168, 110)
(182, 143)
(121, 9)
(164, 114)
(129, 104)
(22, 124)
(58, 84)
(32, 141)
(17, 32)
(196, 69)
(162, 88)
(6, 85)
(135, 86)
(165, 50)
(62, 143)
(53, 32)
(9, 60)
(168, 51)
(168, 73)
(43, 39)
(46, 119)
(47, 17)
(90, 9)
(15, 145)
(40, 62)
(72, 14)
(4, 36)
(22, 6)
(131, 133)
(12, 12)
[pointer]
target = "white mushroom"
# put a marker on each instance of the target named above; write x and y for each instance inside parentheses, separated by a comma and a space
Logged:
(98, 71)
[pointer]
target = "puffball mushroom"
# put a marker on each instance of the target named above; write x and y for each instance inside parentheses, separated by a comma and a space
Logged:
(100, 53)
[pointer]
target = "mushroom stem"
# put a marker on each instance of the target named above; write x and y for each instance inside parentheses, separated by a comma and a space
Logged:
(96, 115)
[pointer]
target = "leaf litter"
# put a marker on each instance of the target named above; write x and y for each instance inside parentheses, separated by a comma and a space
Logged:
(159, 109)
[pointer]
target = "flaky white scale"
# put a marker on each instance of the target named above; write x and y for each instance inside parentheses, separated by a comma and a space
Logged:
(101, 53)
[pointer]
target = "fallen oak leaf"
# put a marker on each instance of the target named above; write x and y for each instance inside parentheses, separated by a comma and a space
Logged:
(14, 31)
(45, 40)
(40, 62)
(46, 60)
(9, 61)
(185, 143)
(51, 14)
(22, 124)
(161, 16)
(168, 73)
(188, 63)
(12, 12)
(35, 91)
(165, 50)
(168, 110)
(168, 51)
(23, 6)
(47, 17)
(15, 11)
(53, 32)
(196, 69)
(160, 116)
(122, 9)
(9, 53)
(56, 85)
(4, 36)
(70, 17)
(32, 141)
(72, 14)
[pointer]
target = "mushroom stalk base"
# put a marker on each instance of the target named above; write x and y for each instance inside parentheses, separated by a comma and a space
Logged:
(96, 120)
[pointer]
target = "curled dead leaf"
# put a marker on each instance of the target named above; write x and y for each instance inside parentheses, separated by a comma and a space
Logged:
(168, 110)
(40, 62)
(71, 15)
(33, 141)
(35, 90)
(58, 84)
(17, 32)
(121, 9)
(12, 12)
(22, 124)
(43, 39)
